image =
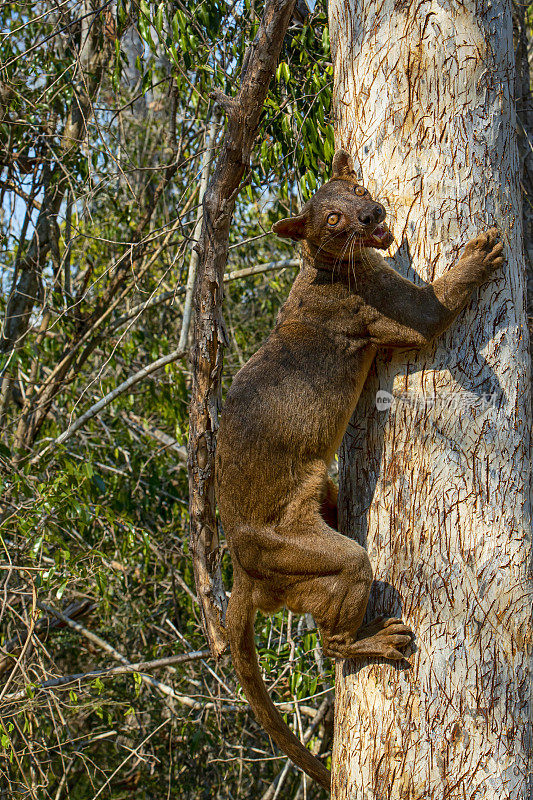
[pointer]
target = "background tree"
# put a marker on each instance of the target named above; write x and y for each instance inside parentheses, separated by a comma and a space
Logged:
(437, 487)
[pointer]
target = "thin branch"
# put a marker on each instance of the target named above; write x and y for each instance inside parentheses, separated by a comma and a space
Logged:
(163, 438)
(270, 266)
(11, 186)
(109, 397)
(243, 117)
(42, 628)
(140, 667)
(193, 264)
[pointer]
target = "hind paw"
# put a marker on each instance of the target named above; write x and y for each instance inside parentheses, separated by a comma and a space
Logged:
(382, 638)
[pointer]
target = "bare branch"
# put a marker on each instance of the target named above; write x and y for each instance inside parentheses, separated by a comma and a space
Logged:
(237, 274)
(163, 438)
(193, 265)
(268, 267)
(243, 115)
(109, 397)
(140, 667)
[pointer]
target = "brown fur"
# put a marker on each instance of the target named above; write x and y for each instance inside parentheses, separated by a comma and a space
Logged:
(285, 416)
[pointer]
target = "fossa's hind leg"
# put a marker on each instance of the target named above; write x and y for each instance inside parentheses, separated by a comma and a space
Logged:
(331, 579)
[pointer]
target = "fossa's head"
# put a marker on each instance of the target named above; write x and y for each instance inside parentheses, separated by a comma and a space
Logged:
(340, 218)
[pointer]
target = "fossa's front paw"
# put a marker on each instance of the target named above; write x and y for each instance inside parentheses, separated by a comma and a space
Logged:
(484, 255)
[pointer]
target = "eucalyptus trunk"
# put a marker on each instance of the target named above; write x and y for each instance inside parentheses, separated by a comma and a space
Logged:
(435, 475)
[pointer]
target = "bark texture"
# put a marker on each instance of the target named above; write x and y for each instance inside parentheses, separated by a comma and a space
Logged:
(436, 481)
(243, 114)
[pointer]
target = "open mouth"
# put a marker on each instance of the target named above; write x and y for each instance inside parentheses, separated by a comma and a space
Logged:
(380, 233)
(380, 237)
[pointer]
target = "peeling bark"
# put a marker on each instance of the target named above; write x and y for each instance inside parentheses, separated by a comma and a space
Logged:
(243, 114)
(437, 484)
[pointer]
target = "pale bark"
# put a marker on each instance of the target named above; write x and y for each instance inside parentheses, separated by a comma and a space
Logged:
(193, 264)
(438, 486)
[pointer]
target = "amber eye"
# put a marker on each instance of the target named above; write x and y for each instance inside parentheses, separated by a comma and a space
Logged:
(360, 191)
(333, 219)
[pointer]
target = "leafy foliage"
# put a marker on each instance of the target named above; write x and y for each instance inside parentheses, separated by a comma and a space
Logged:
(105, 213)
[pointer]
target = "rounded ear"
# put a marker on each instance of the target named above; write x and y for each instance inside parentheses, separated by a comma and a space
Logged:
(290, 228)
(342, 164)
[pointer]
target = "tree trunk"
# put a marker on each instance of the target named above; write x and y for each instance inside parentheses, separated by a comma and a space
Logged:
(437, 485)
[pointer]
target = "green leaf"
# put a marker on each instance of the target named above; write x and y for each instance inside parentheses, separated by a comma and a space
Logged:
(60, 592)
(158, 22)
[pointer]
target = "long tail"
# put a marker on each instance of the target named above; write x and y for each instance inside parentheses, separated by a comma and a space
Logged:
(240, 629)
